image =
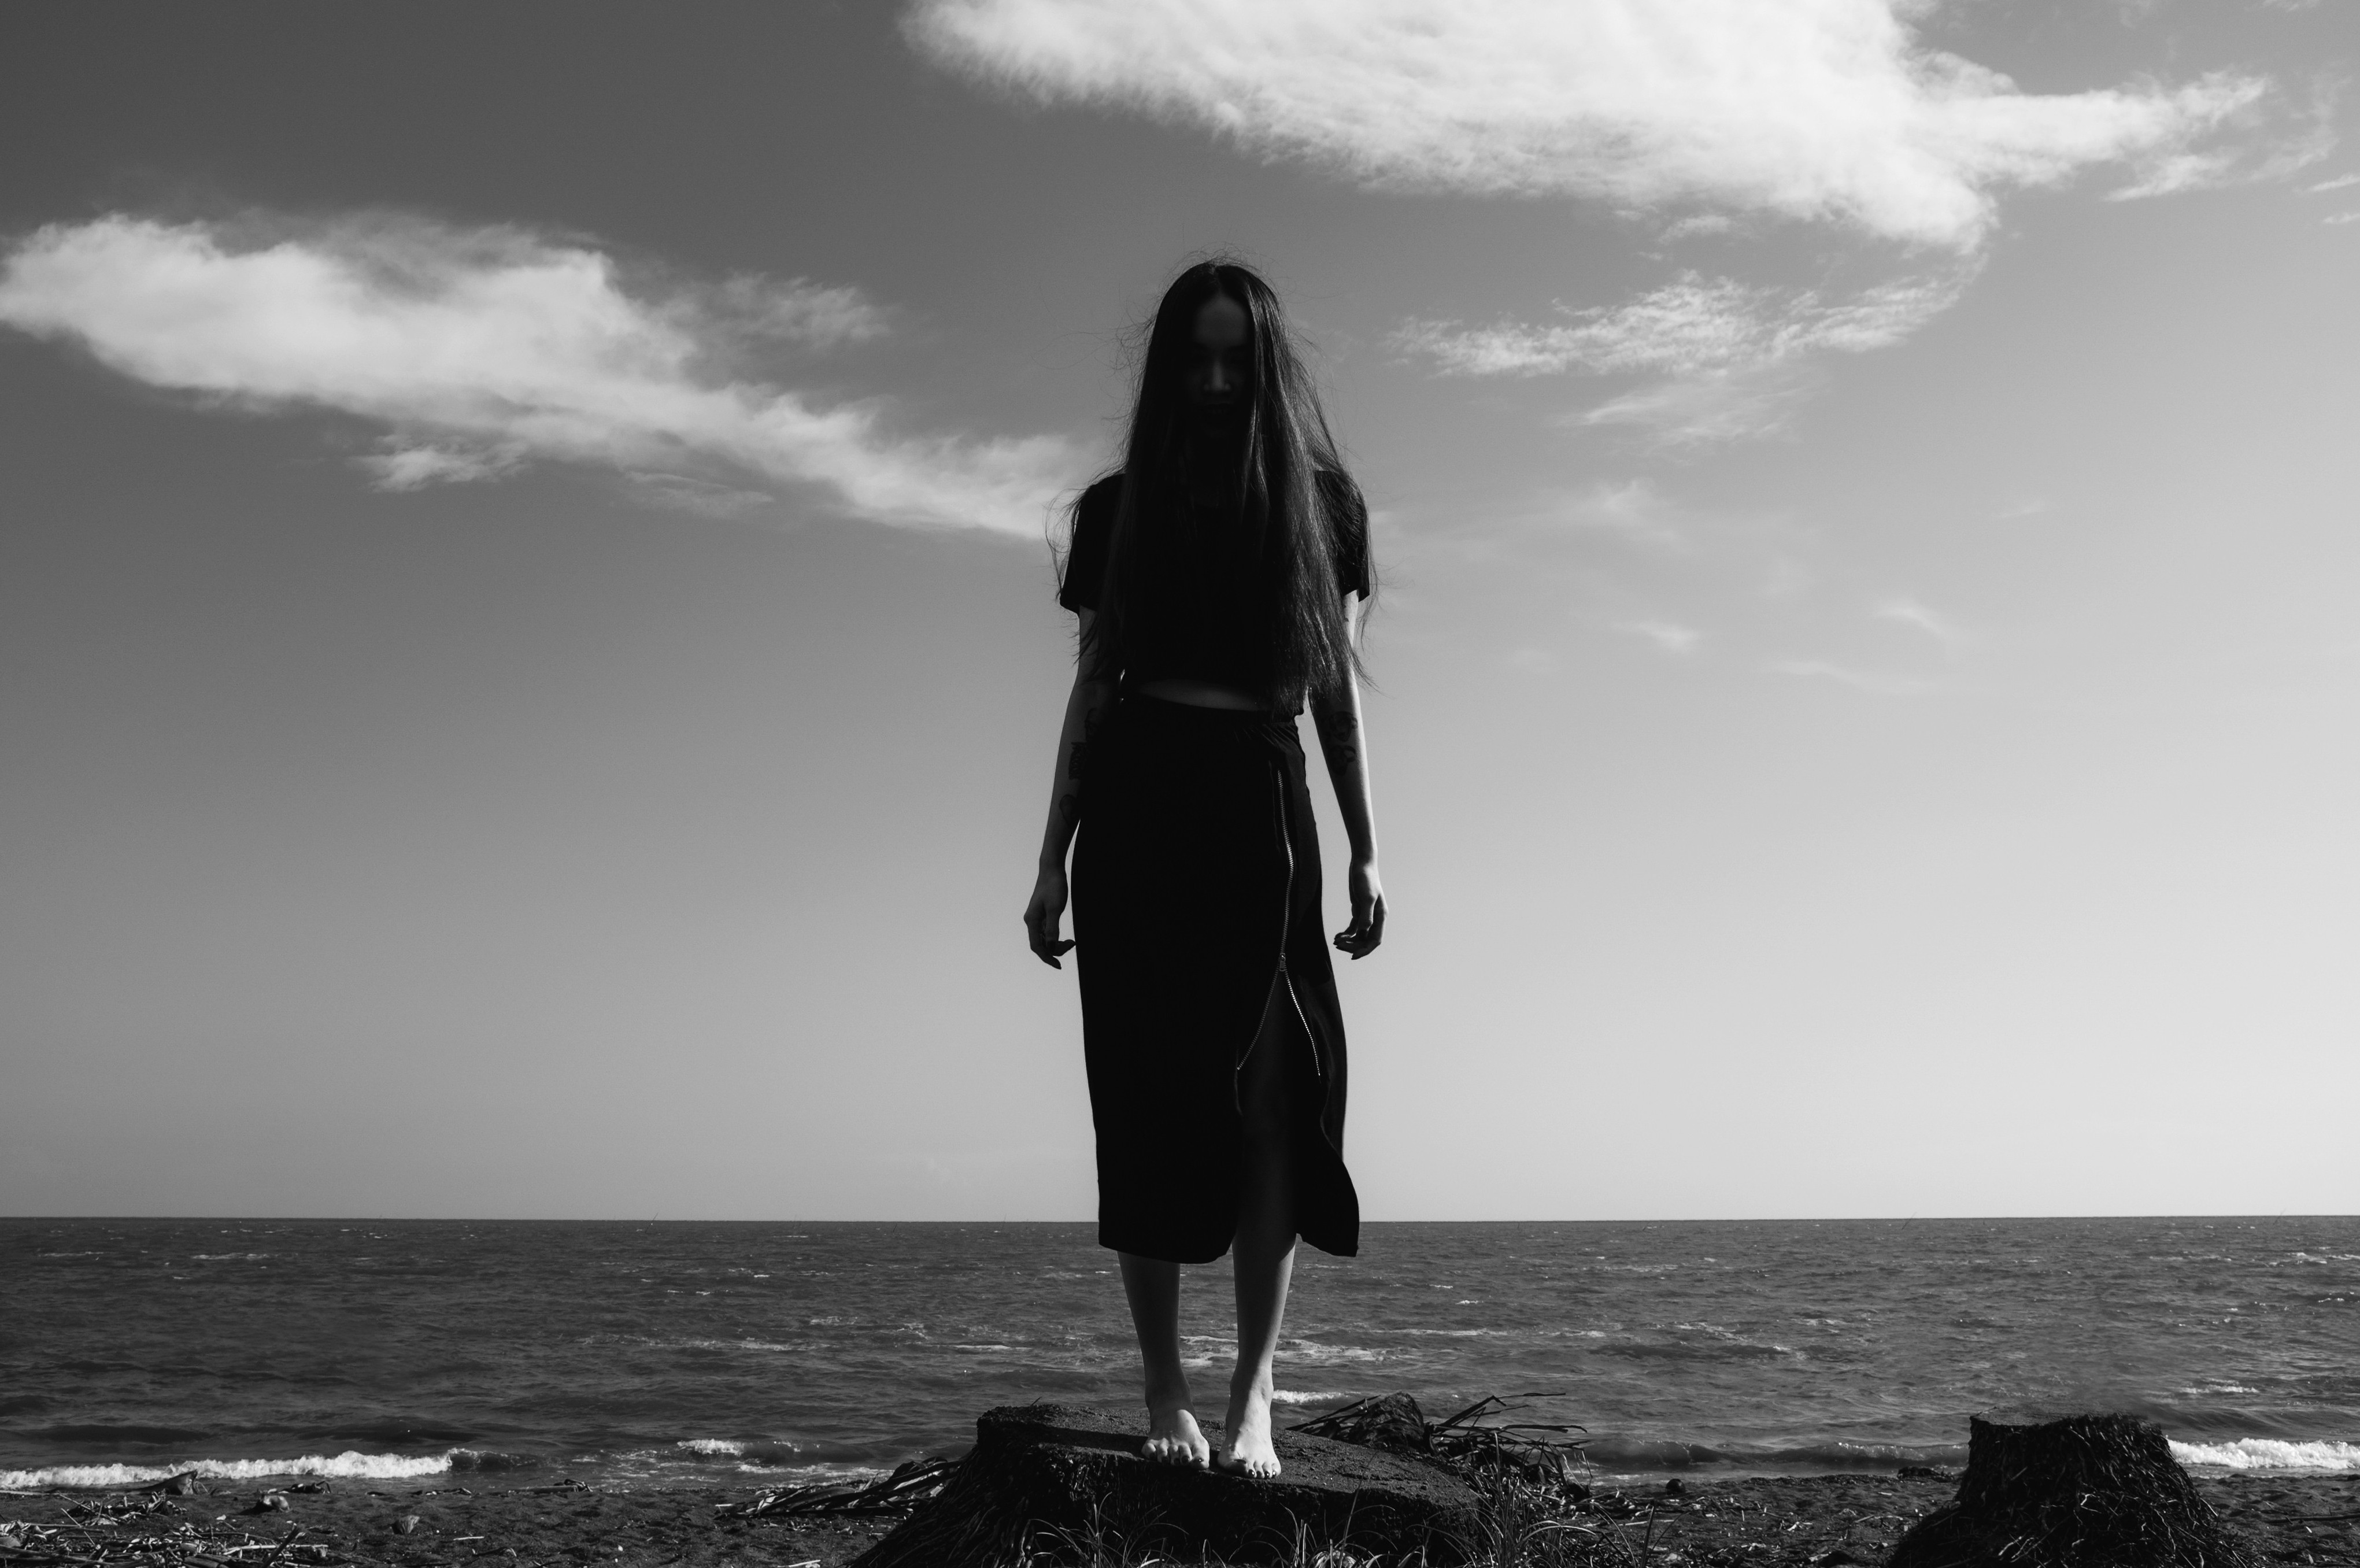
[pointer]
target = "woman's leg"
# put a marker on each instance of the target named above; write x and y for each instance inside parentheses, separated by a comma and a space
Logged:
(1263, 1255)
(1153, 1286)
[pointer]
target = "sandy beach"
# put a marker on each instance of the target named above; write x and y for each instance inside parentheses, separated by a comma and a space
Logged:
(1823, 1521)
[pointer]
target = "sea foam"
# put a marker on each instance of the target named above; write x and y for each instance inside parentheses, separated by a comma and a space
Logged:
(363, 1466)
(2269, 1453)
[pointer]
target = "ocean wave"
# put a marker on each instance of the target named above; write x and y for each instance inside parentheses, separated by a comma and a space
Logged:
(2269, 1453)
(758, 1454)
(1645, 1454)
(350, 1465)
(1301, 1397)
(1317, 1355)
(490, 1459)
(228, 1257)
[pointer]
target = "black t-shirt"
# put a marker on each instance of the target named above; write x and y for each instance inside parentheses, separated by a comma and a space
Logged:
(1209, 645)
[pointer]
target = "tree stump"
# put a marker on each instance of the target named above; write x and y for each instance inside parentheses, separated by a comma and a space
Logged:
(1070, 1484)
(2085, 1492)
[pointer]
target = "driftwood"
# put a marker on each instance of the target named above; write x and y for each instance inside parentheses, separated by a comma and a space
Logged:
(1536, 1451)
(904, 1489)
(2085, 1492)
(88, 1539)
(1063, 1484)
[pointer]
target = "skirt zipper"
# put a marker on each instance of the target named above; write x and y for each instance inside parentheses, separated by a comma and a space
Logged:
(1285, 928)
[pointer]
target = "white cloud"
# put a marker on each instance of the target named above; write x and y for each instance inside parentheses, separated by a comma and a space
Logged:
(1635, 510)
(481, 350)
(1692, 325)
(1811, 109)
(1729, 358)
(407, 465)
(1670, 636)
(2341, 183)
(2341, 218)
(1844, 675)
(798, 310)
(1910, 612)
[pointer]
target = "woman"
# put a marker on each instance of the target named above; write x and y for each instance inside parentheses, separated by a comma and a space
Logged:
(1217, 579)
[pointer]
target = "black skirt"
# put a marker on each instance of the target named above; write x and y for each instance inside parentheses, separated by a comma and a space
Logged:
(1196, 895)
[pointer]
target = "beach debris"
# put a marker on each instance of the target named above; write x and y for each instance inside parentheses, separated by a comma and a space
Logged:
(184, 1484)
(1071, 1484)
(269, 1502)
(911, 1484)
(1391, 1421)
(1542, 1452)
(2084, 1492)
(407, 1524)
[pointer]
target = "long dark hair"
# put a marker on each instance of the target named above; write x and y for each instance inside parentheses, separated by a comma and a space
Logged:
(1287, 484)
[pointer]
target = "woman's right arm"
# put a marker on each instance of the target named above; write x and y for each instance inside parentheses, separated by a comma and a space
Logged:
(1084, 707)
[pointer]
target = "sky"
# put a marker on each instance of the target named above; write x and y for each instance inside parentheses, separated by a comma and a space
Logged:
(528, 669)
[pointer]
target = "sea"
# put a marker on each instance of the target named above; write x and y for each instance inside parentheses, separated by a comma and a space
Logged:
(666, 1353)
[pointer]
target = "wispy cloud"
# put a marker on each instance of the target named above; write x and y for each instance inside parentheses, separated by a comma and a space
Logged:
(1725, 359)
(1845, 676)
(1668, 635)
(479, 351)
(2341, 183)
(1811, 109)
(1910, 612)
(1691, 324)
(1634, 508)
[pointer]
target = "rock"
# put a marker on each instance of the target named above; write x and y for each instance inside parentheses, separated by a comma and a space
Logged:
(184, 1484)
(2085, 1490)
(269, 1502)
(1066, 1481)
(1675, 1488)
(407, 1525)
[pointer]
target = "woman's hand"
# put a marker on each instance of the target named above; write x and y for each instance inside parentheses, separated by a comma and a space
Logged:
(1368, 928)
(1045, 913)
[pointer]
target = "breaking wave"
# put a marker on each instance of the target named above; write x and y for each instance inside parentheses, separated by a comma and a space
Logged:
(2269, 1453)
(361, 1466)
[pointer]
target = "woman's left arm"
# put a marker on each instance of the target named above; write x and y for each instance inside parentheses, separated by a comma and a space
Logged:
(1346, 748)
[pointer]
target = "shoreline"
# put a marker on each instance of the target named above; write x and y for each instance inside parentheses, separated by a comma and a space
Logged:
(1823, 1521)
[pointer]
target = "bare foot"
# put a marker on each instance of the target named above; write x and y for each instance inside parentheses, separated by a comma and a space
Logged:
(1173, 1438)
(1248, 1426)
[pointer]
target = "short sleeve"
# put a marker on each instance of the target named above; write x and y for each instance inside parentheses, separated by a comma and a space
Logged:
(1348, 517)
(1086, 559)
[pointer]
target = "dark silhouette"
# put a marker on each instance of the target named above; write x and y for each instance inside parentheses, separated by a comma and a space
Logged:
(1217, 579)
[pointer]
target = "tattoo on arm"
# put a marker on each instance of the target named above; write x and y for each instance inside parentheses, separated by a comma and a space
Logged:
(1074, 759)
(1340, 732)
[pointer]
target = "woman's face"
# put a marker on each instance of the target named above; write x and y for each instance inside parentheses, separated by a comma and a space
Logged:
(1220, 365)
